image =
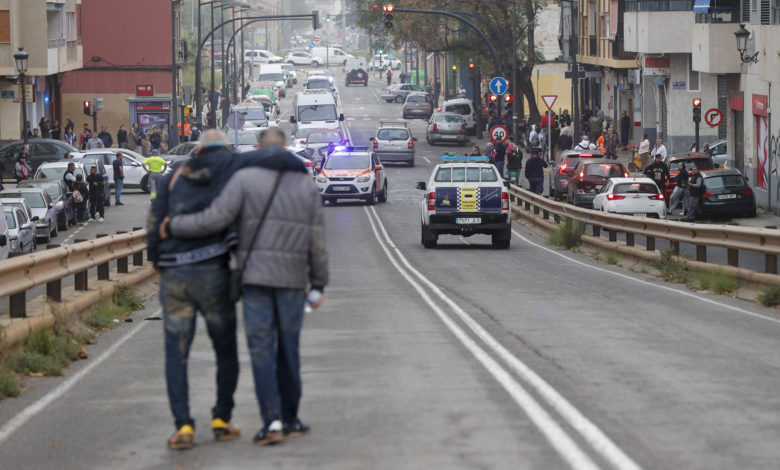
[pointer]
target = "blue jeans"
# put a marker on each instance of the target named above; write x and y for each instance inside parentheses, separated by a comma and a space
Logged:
(202, 287)
(118, 185)
(500, 167)
(273, 319)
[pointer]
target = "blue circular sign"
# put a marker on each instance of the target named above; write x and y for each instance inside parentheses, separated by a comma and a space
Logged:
(311, 45)
(498, 86)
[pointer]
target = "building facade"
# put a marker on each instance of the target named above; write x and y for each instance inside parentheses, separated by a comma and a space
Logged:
(51, 55)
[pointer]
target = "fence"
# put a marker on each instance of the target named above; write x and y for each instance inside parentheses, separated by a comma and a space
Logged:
(49, 267)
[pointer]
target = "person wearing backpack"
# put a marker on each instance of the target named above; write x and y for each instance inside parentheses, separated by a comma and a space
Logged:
(22, 169)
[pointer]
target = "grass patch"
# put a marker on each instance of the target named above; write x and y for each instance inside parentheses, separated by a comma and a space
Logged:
(718, 282)
(568, 235)
(126, 297)
(45, 353)
(670, 268)
(9, 384)
(612, 258)
(770, 297)
(32, 363)
(103, 318)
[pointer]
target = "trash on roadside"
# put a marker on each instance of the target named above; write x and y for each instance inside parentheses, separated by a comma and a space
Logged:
(128, 320)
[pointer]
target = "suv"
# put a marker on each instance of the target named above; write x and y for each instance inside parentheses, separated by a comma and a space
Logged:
(41, 151)
(56, 170)
(589, 176)
(352, 173)
(394, 142)
(465, 196)
(446, 127)
(417, 105)
(357, 71)
(564, 168)
(465, 108)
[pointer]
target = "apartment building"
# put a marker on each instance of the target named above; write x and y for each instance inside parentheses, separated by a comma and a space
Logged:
(50, 56)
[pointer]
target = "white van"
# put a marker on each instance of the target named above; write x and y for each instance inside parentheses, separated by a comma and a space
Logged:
(315, 109)
(465, 108)
(274, 73)
(261, 56)
(5, 246)
(331, 55)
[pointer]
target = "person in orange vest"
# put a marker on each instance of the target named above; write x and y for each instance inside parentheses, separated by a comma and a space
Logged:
(186, 133)
(600, 144)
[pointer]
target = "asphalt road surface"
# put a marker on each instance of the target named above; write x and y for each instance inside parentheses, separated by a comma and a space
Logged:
(458, 357)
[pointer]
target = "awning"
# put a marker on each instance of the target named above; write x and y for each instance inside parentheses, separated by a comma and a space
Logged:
(701, 6)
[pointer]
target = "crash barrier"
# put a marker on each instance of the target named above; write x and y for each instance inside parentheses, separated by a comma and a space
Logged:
(50, 266)
(733, 238)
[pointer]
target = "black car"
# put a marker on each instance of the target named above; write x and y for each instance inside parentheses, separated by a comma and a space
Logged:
(357, 75)
(564, 168)
(727, 193)
(60, 196)
(41, 151)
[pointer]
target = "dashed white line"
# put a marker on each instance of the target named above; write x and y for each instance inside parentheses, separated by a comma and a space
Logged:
(426, 159)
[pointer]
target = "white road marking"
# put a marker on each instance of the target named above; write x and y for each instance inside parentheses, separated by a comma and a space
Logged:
(39, 405)
(565, 446)
(464, 240)
(642, 281)
(426, 159)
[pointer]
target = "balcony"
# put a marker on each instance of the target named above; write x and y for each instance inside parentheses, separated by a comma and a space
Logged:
(619, 52)
(658, 27)
(63, 56)
(716, 11)
(714, 48)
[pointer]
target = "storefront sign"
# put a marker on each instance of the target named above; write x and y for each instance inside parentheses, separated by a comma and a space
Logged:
(760, 105)
(144, 90)
(678, 85)
(658, 66)
(8, 94)
(152, 106)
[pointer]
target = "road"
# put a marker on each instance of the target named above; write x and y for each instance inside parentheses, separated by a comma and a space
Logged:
(459, 357)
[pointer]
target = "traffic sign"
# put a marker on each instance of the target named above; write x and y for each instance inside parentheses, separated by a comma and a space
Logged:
(311, 45)
(498, 134)
(236, 120)
(498, 85)
(549, 100)
(316, 39)
(713, 117)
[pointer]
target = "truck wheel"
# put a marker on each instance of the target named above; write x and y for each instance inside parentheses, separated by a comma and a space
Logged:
(428, 239)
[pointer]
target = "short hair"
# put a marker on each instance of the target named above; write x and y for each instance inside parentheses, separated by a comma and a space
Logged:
(212, 138)
(271, 131)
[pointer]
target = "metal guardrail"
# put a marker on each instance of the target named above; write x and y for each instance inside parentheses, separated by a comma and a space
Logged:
(18, 275)
(733, 238)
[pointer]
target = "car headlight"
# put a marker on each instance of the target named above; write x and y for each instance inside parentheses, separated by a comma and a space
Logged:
(322, 179)
(364, 179)
(14, 243)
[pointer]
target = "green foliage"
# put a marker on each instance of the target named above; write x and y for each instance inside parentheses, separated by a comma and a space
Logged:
(718, 282)
(9, 384)
(670, 268)
(612, 258)
(770, 297)
(569, 234)
(28, 362)
(126, 297)
(103, 317)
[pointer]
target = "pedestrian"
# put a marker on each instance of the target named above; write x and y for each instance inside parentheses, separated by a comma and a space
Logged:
(461, 91)
(625, 127)
(534, 172)
(598, 113)
(190, 284)
(80, 195)
(56, 130)
(69, 136)
(69, 177)
(94, 142)
(194, 133)
(43, 125)
(69, 126)
(121, 137)
(658, 172)
(22, 169)
(611, 142)
(119, 178)
(500, 156)
(534, 140)
(490, 152)
(155, 142)
(97, 193)
(680, 187)
(83, 136)
(565, 119)
(35, 134)
(644, 150)
(273, 299)
(564, 140)
(475, 151)
(659, 149)
(514, 162)
(584, 144)
(27, 131)
(695, 190)
(595, 126)
(105, 136)
(154, 166)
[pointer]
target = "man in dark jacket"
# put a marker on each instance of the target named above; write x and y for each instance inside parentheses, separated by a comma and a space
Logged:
(155, 142)
(194, 276)
(695, 190)
(534, 172)
(658, 172)
(611, 142)
(625, 126)
(121, 137)
(105, 136)
(681, 185)
(97, 193)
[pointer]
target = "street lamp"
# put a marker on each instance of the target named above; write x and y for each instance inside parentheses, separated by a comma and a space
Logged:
(21, 59)
(743, 35)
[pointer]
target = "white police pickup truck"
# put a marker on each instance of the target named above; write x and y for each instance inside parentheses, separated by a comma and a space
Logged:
(465, 196)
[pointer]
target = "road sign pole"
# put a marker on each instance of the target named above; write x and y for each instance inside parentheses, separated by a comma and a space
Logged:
(696, 134)
(549, 134)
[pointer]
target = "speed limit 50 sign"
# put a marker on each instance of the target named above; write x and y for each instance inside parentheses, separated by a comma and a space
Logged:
(498, 134)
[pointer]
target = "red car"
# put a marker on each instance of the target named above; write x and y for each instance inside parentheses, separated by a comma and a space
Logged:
(703, 162)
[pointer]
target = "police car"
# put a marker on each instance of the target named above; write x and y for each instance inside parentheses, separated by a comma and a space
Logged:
(465, 196)
(351, 173)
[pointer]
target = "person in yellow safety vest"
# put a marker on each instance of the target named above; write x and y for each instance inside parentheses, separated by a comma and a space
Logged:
(186, 132)
(155, 166)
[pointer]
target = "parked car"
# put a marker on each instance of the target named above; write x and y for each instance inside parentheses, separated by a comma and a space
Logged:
(718, 153)
(465, 108)
(399, 91)
(5, 247)
(639, 197)
(42, 207)
(417, 105)
(21, 232)
(564, 168)
(132, 161)
(446, 127)
(382, 61)
(302, 58)
(394, 142)
(58, 191)
(41, 151)
(702, 161)
(55, 170)
(727, 193)
(589, 177)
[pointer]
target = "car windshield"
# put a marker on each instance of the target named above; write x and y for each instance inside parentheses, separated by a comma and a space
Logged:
(701, 163)
(725, 181)
(323, 137)
(288, 67)
(51, 187)
(318, 84)
(253, 114)
(317, 112)
(392, 134)
(604, 170)
(181, 149)
(415, 99)
(271, 77)
(466, 174)
(246, 137)
(462, 109)
(10, 219)
(55, 172)
(635, 188)
(449, 118)
(571, 162)
(35, 200)
(347, 162)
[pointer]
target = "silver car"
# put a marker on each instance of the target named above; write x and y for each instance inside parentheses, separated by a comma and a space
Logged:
(21, 232)
(399, 92)
(446, 127)
(43, 212)
(417, 105)
(394, 143)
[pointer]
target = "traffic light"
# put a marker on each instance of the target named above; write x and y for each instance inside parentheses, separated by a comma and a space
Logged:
(696, 110)
(388, 9)
(374, 6)
(187, 110)
(508, 98)
(315, 19)
(471, 64)
(98, 104)
(493, 98)
(87, 107)
(454, 68)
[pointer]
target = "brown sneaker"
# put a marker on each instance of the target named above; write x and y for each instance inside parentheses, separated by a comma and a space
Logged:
(271, 434)
(224, 431)
(183, 438)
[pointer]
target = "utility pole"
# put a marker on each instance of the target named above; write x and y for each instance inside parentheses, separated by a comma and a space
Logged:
(173, 128)
(212, 101)
(515, 94)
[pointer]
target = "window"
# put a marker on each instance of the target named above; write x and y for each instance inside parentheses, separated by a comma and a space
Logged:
(45, 148)
(458, 175)
(636, 188)
(725, 181)
(22, 217)
(489, 175)
(5, 26)
(472, 175)
(443, 175)
(693, 76)
(392, 134)
(462, 109)
(71, 26)
(10, 220)
(765, 12)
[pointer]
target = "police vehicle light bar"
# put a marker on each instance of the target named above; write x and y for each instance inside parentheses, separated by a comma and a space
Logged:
(463, 159)
(345, 148)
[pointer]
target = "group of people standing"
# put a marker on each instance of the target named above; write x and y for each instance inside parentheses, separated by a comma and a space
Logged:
(508, 159)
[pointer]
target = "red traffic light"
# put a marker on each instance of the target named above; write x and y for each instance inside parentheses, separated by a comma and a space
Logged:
(388, 8)
(374, 6)
(471, 65)
(493, 98)
(508, 98)
(697, 103)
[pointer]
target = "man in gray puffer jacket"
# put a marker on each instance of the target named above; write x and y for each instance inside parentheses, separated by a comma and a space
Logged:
(288, 255)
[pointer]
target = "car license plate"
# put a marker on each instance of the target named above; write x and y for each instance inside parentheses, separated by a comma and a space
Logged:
(341, 188)
(640, 215)
(727, 196)
(360, 75)
(468, 220)
(445, 136)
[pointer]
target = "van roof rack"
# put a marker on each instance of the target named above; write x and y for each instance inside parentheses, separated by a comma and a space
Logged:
(392, 124)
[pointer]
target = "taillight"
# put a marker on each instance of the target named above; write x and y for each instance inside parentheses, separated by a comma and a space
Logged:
(657, 197)
(309, 164)
(474, 116)
(563, 168)
(375, 144)
(463, 128)
(411, 144)
(505, 201)
(614, 197)
(625, 174)
(431, 201)
(435, 127)
(582, 174)
(390, 91)
(706, 195)
(746, 192)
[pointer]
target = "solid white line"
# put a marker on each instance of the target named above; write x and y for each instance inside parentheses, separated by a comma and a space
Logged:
(33, 409)
(647, 283)
(560, 441)
(426, 159)
(589, 431)
(464, 241)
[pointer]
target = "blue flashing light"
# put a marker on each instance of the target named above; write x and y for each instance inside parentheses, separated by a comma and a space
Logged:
(449, 158)
(346, 149)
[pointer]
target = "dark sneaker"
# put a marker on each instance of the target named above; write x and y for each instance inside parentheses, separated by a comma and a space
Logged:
(183, 438)
(118, 203)
(295, 428)
(271, 434)
(224, 431)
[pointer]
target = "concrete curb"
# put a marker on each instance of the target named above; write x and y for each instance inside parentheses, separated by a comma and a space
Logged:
(14, 334)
